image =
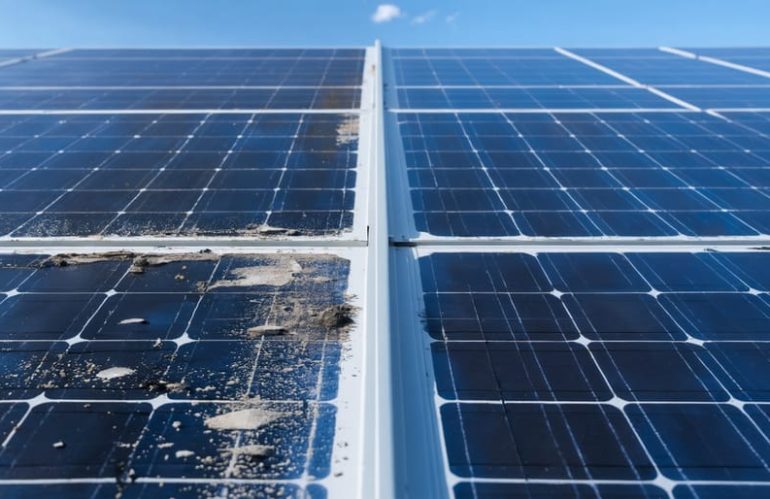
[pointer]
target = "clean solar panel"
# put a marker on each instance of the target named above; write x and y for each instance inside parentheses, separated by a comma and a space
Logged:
(641, 367)
(193, 366)
(154, 174)
(581, 174)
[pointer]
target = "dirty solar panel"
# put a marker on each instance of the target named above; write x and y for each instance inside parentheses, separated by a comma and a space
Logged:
(583, 367)
(272, 68)
(185, 174)
(125, 367)
(588, 174)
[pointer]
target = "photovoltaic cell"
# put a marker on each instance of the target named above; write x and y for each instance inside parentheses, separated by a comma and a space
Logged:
(618, 400)
(124, 372)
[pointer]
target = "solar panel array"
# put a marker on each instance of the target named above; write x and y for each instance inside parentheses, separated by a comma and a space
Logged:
(579, 291)
(175, 370)
(563, 361)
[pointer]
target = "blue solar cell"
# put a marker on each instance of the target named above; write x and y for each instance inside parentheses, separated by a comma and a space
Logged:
(659, 371)
(684, 272)
(702, 442)
(517, 371)
(481, 490)
(592, 272)
(542, 441)
(746, 368)
(720, 316)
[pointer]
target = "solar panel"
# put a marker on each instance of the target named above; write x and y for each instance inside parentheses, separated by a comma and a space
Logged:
(648, 369)
(171, 366)
(219, 174)
(202, 295)
(652, 174)
(181, 371)
(569, 365)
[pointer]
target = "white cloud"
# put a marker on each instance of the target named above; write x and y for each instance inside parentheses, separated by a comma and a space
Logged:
(451, 17)
(386, 12)
(424, 17)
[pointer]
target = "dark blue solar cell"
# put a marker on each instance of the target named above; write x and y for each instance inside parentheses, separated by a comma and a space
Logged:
(710, 223)
(631, 223)
(15, 269)
(64, 317)
(487, 316)
(477, 272)
(555, 224)
(659, 371)
(91, 434)
(142, 316)
(622, 317)
(684, 272)
(592, 272)
(751, 268)
(720, 316)
(746, 366)
(517, 371)
(542, 441)
(702, 442)
(463, 224)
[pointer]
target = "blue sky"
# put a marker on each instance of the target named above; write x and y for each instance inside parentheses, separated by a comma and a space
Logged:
(184, 23)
